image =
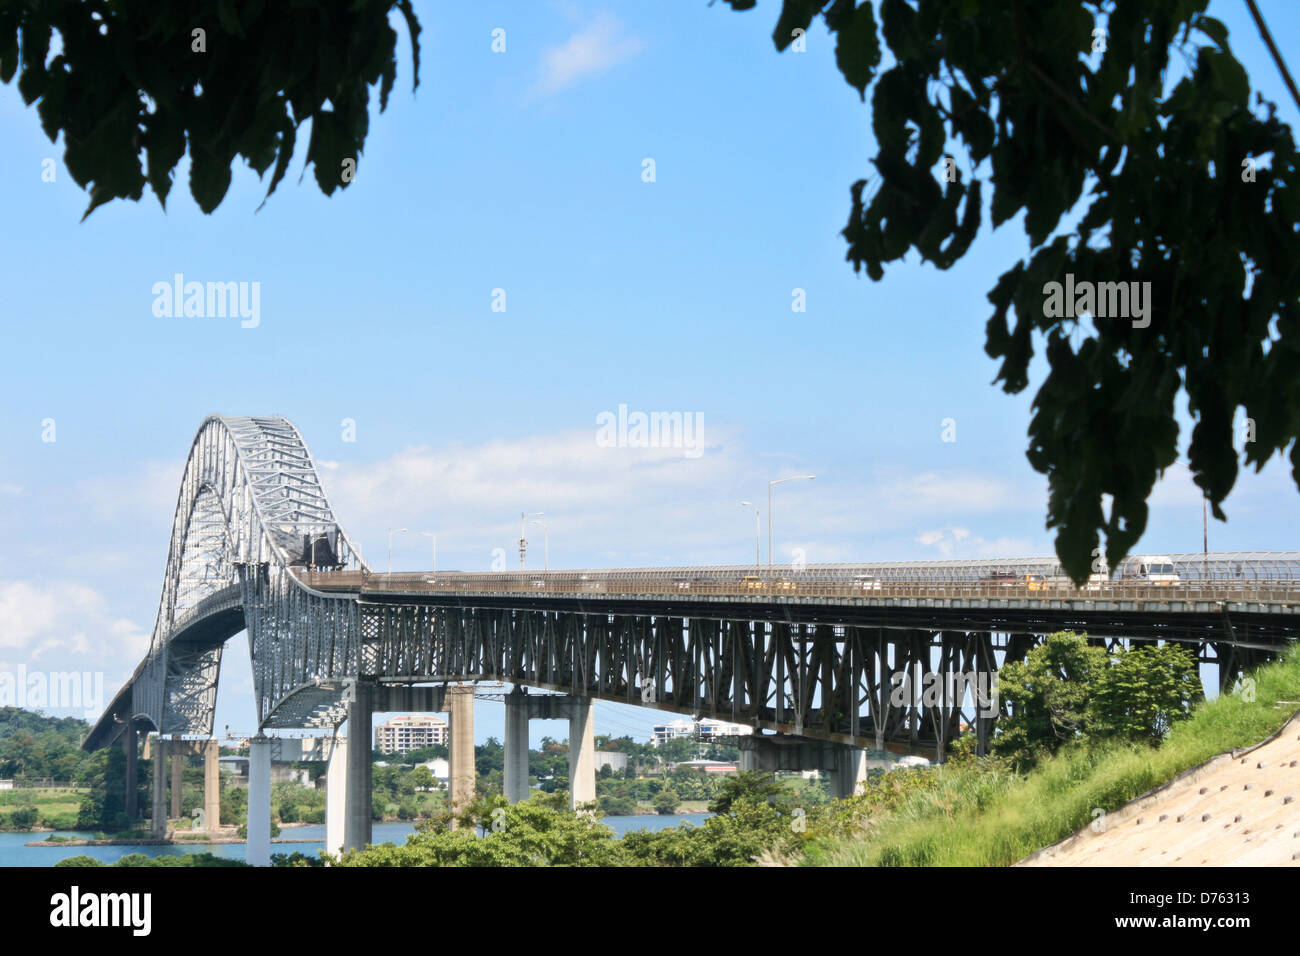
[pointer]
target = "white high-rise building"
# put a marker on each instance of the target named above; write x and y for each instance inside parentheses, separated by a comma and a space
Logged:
(706, 729)
(403, 734)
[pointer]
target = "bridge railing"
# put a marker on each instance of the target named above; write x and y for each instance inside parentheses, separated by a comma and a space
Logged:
(544, 584)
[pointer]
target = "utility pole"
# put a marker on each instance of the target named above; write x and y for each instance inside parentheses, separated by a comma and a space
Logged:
(523, 540)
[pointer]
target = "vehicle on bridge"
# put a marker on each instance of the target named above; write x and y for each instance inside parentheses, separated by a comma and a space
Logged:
(1155, 569)
(1006, 579)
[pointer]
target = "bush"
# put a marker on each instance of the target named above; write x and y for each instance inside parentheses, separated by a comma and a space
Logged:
(24, 818)
(617, 806)
(60, 821)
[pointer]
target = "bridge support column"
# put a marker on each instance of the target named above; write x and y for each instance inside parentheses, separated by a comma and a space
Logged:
(460, 708)
(129, 778)
(846, 766)
(178, 776)
(158, 809)
(336, 797)
(356, 831)
(582, 752)
(258, 851)
(212, 784)
(850, 771)
(516, 769)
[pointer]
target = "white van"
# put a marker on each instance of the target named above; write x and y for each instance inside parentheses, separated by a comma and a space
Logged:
(1155, 569)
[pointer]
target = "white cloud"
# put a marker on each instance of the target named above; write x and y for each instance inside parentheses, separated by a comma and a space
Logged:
(591, 51)
(960, 543)
(68, 617)
(624, 506)
(150, 493)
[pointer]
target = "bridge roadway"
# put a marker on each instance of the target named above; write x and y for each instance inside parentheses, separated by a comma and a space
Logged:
(829, 659)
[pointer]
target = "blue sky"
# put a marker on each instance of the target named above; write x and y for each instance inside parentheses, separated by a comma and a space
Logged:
(522, 171)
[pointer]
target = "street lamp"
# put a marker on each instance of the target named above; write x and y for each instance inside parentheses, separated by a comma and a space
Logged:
(523, 541)
(769, 512)
(546, 537)
(1205, 522)
(391, 532)
(434, 536)
(758, 559)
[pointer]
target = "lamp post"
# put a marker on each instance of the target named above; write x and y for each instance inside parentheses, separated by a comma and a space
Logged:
(546, 537)
(434, 536)
(391, 532)
(1205, 524)
(769, 513)
(758, 556)
(523, 541)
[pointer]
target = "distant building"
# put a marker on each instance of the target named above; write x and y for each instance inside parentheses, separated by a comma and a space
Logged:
(705, 730)
(6, 784)
(613, 759)
(439, 767)
(708, 766)
(403, 734)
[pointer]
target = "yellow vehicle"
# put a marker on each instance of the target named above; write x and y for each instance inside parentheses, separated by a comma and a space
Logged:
(751, 582)
(1035, 582)
(786, 586)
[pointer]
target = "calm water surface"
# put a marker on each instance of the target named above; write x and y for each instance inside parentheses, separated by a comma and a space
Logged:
(14, 853)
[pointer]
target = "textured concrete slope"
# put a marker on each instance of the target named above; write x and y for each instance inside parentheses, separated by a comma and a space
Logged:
(1240, 809)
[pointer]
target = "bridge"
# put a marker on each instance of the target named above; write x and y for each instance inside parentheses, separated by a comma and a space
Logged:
(823, 660)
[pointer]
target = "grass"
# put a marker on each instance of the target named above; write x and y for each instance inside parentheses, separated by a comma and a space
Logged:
(969, 818)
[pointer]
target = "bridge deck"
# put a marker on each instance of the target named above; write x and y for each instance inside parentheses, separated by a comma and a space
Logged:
(1280, 595)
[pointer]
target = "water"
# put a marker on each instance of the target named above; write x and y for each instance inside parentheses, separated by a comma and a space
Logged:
(14, 853)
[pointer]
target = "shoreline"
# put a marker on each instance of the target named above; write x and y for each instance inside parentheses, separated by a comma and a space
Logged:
(216, 841)
(226, 840)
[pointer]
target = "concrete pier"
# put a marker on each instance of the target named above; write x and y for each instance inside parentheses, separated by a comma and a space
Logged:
(357, 812)
(336, 797)
(259, 802)
(515, 783)
(212, 783)
(582, 751)
(177, 753)
(158, 807)
(849, 773)
(578, 711)
(460, 706)
(845, 766)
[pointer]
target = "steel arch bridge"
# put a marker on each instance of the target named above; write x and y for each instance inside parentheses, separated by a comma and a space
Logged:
(251, 512)
(811, 652)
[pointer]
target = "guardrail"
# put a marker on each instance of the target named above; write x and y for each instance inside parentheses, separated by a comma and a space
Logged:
(1282, 592)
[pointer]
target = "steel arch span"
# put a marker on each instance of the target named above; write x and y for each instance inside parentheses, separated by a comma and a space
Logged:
(250, 517)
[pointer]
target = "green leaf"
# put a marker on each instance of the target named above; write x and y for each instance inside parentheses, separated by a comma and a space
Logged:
(857, 46)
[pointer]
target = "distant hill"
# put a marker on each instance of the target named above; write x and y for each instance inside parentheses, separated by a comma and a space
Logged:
(16, 719)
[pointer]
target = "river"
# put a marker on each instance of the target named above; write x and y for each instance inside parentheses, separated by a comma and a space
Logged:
(14, 853)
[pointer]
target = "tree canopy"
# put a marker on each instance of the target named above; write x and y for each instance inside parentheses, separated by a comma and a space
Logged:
(219, 78)
(1123, 131)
